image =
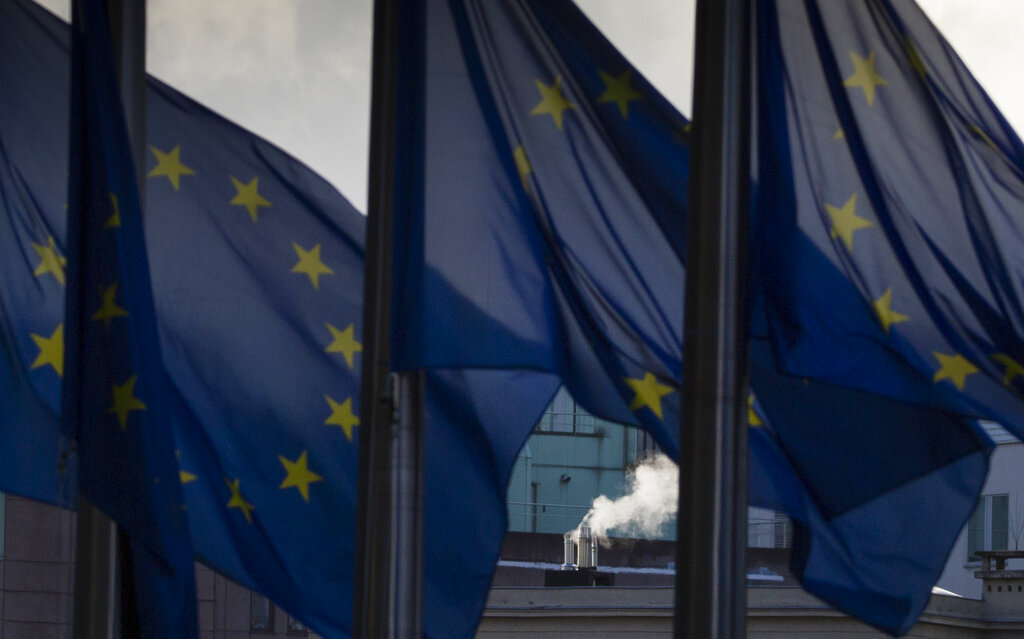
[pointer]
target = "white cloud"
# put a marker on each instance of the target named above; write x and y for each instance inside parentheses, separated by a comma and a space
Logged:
(207, 44)
(657, 38)
(60, 7)
(297, 72)
(987, 37)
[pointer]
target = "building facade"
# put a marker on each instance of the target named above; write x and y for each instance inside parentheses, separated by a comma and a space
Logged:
(998, 521)
(570, 458)
(37, 583)
(772, 613)
(637, 597)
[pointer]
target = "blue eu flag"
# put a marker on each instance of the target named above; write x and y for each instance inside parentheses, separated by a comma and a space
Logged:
(887, 253)
(115, 390)
(257, 274)
(540, 225)
(893, 205)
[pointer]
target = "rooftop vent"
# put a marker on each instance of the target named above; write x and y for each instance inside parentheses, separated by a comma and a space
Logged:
(579, 562)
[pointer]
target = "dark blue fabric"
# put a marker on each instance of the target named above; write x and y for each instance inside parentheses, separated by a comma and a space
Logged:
(573, 273)
(118, 432)
(936, 174)
(247, 350)
(33, 196)
(540, 226)
(917, 300)
(510, 271)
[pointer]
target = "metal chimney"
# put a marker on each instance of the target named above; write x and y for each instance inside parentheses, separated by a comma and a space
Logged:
(579, 562)
(586, 549)
(568, 551)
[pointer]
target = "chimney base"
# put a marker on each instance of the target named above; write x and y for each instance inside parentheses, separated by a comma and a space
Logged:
(581, 577)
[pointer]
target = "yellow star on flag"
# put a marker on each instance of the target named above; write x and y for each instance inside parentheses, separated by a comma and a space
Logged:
(617, 89)
(887, 316)
(248, 195)
(915, 58)
(978, 131)
(954, 367)
(682, 135)
(50, 260)
(344, 342)
(552, 101)
(1012, 368)
(752, 417)
(845, 221)
(125, 401)
(649, 392)
(310, 264)
(341, 415)
(109, 310)
(114, 220)
(237, 501)
(184, 476)
(522, 165)
(298, 475)
(864, 76)
(169, 165)
(840, 134)
(51, 350)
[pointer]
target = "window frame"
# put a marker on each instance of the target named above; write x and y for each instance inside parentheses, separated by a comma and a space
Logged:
(301, 631)
(563, 405)
(253, 629)
(987, 527)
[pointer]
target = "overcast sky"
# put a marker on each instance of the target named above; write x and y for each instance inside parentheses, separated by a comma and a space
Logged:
(298, 71)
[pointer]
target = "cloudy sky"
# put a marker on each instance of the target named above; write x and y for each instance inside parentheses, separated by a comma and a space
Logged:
(298, 71)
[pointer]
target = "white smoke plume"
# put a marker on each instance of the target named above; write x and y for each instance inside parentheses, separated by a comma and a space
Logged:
(651, 501)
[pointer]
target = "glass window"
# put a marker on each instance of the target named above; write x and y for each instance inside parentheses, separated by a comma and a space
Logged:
(988, 528)
(760, 528)
(558, 417)
(783, 531)
(976, 531)
(564, 415)
(1000, 522)
(261, 614)
(296, 627)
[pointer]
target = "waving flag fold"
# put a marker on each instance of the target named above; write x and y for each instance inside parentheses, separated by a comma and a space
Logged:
(541, 227)
(118, 435)
(542, 215)
(257, 276)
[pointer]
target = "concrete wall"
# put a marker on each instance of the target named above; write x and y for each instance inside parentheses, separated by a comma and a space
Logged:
(1006, 477)
(37, 582)
(558, 475)
(36, 576)
(772, 613)
(597, 464)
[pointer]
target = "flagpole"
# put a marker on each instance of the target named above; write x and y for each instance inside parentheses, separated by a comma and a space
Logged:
(710, 566)
(128, 40)
(103, 605)
(389, 533)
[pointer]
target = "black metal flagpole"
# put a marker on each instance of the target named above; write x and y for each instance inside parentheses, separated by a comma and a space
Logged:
(389, 534)
(710, 579)
(103, 607)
